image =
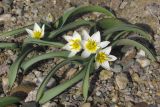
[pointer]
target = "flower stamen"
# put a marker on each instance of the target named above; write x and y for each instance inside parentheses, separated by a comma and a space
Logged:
(37, 34)
(75, 44)
(91, 46)
(102, 57)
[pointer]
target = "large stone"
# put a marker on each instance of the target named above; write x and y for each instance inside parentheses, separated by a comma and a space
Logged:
(121, 81)
(117, 68)
(141, 104)
(86, 105)
(22, 90)
(136, 78)
(105, 75)
(31, 95)
(5, 84)
(144, 62)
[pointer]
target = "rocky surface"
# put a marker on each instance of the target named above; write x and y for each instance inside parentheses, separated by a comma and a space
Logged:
(133, 81)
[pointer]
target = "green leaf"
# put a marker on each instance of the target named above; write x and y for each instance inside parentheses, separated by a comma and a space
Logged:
(15, 66)
(86, 80)
(43, 43)
(137, 45)
(112, 25)
(16, 31)
(53, 92)
(121, 34)
(70, 26)
(40, 92)
(107, 23)
(81, 10)
(8, 45)
(5, 101)
(25, 65)
(126, 28)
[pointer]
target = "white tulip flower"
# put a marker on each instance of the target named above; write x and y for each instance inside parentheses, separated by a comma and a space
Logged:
(74, 43)
(49, 18)
(37, 32)
(103, 57)
(92, 44)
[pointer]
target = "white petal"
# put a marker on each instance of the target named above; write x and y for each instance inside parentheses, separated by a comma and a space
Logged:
(85, 35)
(85, 54)
(83, 44)
(96, 37)
(72, 53)
(105, 65)
(112, 58)
(104, 44)
(30, 32)
(68, 38)
(76, 35)
(43, 27)
(66, 47)
(36, 27)
(107, 50)
(97, 65)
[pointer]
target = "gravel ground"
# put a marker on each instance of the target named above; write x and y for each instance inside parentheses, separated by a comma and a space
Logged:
(134, 80)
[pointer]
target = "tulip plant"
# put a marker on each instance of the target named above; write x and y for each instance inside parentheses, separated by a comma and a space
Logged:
(88, 48)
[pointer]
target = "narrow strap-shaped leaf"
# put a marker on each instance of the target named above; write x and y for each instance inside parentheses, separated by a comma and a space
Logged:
(123, 33)
(5, 101)
(128, 28)
(53, 92)
(111, 25)
(43, 42)
(47, 78)
(107, 23)
(15, 66)
(9, 45)
(82, 10)
(16, 31)
(137, 45)
(25, 65)
(70, 26)
(86, 79)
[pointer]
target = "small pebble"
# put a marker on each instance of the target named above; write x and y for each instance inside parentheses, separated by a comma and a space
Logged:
(29, 104)
(8, 2)
(51, 83)
(129, 104)
(49, 104)
(3, 69)
(70, 73)
(123, 5)
(39, 80)
(141, 53)
(141, 104)
(98, 93)
(37, 73)
(117, 68)
(144, 62)
(1, 10)
(114, 98)
(5, 84)
(5, 17)
(136, 78)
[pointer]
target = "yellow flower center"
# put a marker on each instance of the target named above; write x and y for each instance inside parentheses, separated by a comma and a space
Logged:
(91, 46)
(37, 34)
(75, 44)
(101, 57)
